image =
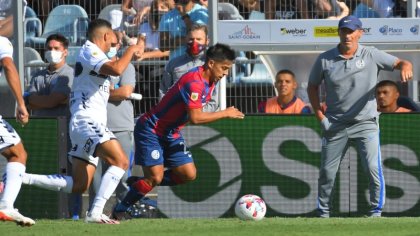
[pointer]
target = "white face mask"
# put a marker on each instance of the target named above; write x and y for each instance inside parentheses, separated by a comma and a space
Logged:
(53, 57)
(112, 52)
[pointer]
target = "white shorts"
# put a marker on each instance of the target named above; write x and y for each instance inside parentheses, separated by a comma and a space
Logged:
(85, 135)
(8, 135)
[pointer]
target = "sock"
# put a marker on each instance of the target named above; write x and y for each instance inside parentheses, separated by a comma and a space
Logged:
(138, 190)
(12, 182)
(170, 179)
(109, 183)
(130, 198)
(51, 182)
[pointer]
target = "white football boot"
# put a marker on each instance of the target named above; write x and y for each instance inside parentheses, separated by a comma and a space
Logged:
(14, 215)
(100, 219)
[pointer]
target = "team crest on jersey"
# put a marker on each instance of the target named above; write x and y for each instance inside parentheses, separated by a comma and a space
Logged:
(360, 64)
(155, 154)
(194, 96)
(95, 53)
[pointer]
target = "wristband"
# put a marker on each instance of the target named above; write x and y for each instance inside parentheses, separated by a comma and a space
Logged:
(136, 96)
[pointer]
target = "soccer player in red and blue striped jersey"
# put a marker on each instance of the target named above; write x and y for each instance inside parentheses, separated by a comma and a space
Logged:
(159, 142)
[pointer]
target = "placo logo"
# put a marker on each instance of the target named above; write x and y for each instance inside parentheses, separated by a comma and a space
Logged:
(325, 31)
(383, 30)
(245, 33)
(415, 29)
(387, 30)
(294, 32)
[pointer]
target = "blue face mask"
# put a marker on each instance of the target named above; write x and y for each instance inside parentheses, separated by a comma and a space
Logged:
(112, 52)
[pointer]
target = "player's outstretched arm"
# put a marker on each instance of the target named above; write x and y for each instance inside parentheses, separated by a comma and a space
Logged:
(406, 69)
(197, 116)
(12, 78)
(117, 67)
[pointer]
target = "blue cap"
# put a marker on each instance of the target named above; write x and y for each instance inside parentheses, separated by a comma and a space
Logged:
(350, 22)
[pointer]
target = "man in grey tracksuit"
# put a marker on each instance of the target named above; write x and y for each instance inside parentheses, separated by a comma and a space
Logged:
(350, 73)
(197, 42)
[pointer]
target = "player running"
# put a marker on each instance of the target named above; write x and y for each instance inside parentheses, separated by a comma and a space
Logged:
(11, 146)
(90, 137)
(158, 141)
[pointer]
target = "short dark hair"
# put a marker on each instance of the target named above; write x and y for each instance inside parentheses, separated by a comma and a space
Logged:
(391, 83)
(60, 38)
(285, 71)
(220, 52)
(202, 27)
(96, 24)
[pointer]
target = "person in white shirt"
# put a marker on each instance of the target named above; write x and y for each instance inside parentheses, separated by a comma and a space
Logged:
(90, 137)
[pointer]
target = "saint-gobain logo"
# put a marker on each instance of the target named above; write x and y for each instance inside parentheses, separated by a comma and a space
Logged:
(245, 33)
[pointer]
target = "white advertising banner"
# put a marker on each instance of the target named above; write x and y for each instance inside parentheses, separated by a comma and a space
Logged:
(244, 32)
(376, 30)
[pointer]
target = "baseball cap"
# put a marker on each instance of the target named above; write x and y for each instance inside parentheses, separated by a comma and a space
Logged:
(350, 22)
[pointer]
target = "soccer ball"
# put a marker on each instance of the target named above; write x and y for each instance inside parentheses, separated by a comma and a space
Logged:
(250, 207)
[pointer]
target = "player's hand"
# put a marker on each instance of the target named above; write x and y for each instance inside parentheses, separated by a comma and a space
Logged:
(138, 50)
(406, 74)
(233, 112)
(319, 115)
(406, 70)
(22, 115)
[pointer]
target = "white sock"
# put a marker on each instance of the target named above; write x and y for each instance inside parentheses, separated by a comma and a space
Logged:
(109, 183)
(51, 182)
(12, 183)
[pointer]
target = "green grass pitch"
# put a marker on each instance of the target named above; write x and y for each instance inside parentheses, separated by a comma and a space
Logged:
(226, 226)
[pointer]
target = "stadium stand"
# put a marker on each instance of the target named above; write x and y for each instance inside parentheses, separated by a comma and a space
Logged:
(72, 52)
(113, 14)
(33, 26)
(68, 20)
(32, 60)
(228, 11)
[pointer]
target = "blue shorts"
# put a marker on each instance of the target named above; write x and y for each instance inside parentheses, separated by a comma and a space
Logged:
(151, 150)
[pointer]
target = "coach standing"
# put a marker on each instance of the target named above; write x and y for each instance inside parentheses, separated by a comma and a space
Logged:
(350, 73)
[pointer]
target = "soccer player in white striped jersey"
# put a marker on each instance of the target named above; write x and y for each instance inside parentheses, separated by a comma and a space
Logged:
(11, 146)
(88, 132)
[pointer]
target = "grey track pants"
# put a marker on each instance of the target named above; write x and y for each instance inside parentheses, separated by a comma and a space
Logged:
(335, 142)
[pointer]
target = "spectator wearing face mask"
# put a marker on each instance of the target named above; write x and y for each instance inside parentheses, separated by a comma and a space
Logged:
(175, 24)
(197, 42)
(49, 89)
